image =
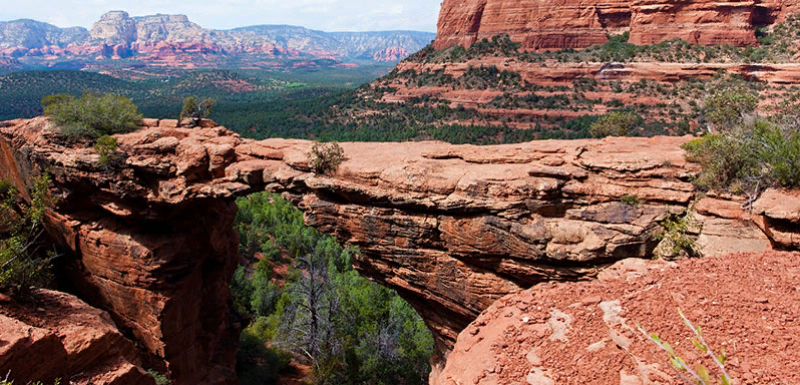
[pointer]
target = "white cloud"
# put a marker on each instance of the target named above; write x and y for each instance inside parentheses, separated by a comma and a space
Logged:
(326, 15)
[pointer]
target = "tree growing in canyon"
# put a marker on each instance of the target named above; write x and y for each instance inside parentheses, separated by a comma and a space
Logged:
(24, 264)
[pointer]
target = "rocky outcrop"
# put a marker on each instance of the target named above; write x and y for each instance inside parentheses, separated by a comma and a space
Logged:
(59, 336)
(579, 333)
(574, 24)
(391, 54)
(451, 228)
(160, 268)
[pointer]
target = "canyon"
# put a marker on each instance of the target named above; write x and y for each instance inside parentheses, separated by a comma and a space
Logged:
(175, 41)
(580, 24)
(451, 228)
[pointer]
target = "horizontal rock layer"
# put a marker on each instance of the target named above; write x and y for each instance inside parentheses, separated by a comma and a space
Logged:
(451, 228)
(580, 24)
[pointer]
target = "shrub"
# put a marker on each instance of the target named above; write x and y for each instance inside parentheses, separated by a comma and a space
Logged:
(631, 200)
(106, 146)
(728, 108)
(326, 157)
(160, 379)
(614, 124)
(677, 239)
(91, 116)
(749, 158)
(194, 111)
(21, 265)
(700, 375)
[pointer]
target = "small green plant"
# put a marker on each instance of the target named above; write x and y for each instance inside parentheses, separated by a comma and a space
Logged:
(195, 111)
(326, 157)
(160, 378)
(91, 116)
(106, 146)
(677, 238)
(7, 381)
(614, 124)
(631, 200)
(700, 375)
(23, 263)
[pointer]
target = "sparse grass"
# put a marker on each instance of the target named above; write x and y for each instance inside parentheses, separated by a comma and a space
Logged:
(700, 375)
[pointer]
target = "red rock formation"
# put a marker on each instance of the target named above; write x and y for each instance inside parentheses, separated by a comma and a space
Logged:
(59, 336)
(451, 228)
(580, 333)
(579, 24)
(391, 54)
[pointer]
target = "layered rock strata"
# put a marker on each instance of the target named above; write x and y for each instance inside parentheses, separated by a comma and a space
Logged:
(580, 24)
(451, 228)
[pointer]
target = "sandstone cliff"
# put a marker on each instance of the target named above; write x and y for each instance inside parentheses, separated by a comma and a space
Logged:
(451, 228)
(579, 24)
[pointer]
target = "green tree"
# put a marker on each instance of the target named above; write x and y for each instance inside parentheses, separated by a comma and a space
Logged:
(728, 108)
(195, 111)
(614, 124)
(24, 264)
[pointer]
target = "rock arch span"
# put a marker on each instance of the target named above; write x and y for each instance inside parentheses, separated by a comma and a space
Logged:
(451, 228)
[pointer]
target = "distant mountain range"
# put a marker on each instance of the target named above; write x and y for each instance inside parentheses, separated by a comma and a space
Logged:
(173, 40)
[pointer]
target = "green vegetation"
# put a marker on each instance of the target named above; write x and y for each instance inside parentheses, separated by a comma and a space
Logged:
(194, 111)
(326, 157)
(614, 124)
(729, 107)
(24, 264)
(7, 381)
(678, 238)
(91, 116)
(632, 200)
(700, 375)
(106, 147)
(160, 378)
(307, 304)
(748, 154)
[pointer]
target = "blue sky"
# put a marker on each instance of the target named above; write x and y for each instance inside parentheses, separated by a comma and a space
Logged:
(326, 15)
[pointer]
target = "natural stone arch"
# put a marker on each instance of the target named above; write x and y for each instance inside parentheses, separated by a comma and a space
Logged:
(451, 228)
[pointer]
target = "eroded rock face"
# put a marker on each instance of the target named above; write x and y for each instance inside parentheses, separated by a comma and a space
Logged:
(60, 336)
(451, 228)
(573, 24)
(578, 333)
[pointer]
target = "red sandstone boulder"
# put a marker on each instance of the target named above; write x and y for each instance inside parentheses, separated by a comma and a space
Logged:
(581, 333)
(60, 336)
